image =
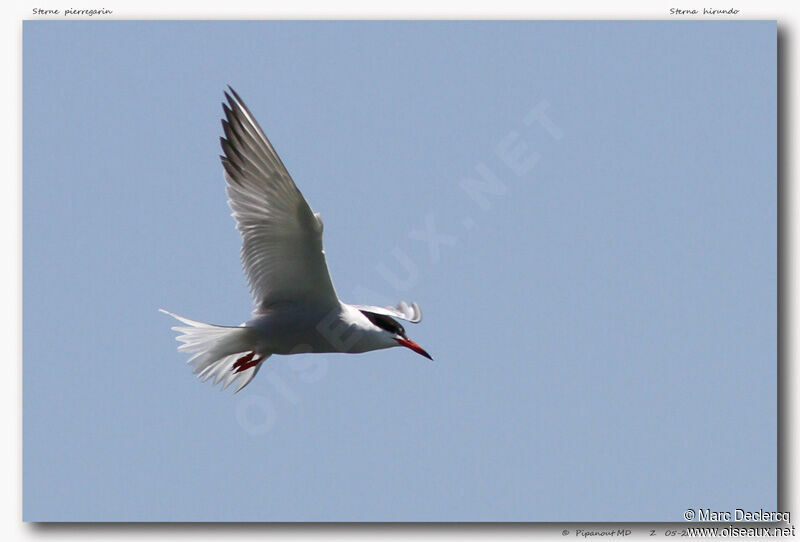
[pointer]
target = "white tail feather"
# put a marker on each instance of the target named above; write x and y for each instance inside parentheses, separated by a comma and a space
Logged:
(215, 350)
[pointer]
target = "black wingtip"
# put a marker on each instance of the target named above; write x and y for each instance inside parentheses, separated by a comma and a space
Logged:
(230, 151)
(233, 98)
(227, 110)
(232, 102)
(235, 94)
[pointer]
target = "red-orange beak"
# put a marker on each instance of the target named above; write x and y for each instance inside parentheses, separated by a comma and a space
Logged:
(413, 346)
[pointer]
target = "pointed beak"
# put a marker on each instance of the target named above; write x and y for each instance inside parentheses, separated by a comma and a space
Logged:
(413, 346)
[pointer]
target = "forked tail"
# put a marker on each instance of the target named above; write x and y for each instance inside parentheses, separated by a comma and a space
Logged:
(222, 352)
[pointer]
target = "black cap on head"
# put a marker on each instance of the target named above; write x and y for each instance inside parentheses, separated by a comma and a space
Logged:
(386, 323)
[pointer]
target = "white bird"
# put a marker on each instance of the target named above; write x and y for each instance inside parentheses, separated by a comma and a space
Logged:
(296, 307)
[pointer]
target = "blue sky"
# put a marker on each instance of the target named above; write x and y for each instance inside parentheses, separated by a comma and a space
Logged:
(586, 212)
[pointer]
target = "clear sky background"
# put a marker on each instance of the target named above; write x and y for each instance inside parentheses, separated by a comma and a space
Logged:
(586, 212)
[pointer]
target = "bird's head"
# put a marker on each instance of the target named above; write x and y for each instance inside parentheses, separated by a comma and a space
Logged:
(391, 330)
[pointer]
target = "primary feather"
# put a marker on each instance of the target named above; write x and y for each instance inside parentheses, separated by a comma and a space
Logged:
(282, 251)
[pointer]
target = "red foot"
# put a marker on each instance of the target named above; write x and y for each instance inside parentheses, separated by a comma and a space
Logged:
(245, 362)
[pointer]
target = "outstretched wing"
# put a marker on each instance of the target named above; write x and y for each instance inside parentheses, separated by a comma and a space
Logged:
(403, 311)
(282, 251)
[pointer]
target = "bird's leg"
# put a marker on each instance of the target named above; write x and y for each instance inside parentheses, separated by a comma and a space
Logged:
(248, 365)
(245, 362)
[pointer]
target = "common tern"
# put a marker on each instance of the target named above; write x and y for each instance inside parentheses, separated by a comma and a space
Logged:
(296, 307)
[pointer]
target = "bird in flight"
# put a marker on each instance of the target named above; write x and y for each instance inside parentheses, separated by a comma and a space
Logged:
(296, 307)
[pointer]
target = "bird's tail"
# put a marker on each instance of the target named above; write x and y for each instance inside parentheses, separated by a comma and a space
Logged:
(224, 353)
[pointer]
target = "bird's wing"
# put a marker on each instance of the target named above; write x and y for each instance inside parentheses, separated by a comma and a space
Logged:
(403, 311)
(282, 251)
